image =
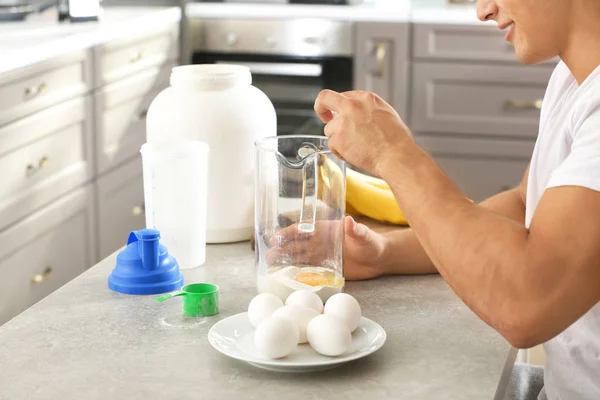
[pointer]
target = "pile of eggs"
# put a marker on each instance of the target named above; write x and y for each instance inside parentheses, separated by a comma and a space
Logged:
(280, 327)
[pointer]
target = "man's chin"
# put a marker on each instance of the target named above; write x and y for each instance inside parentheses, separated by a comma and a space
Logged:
(531, 58)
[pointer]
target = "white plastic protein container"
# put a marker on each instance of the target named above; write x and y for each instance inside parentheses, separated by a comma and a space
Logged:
(217, 104)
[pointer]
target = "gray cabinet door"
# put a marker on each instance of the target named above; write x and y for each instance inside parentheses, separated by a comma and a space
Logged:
(480, 167)
(120, 206)
(463, 42)
(381, 63)
(46, 250)
(494, 100)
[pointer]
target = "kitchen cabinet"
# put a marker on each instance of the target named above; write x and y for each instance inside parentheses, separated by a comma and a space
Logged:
(70, 133)
(470, 43)
(122, 58)
(471, 99)
(473, 107)
(129, 75)
(480, 167)
(120, 110)
(46, 250)
(382, 62)
(44, 156)
(36, 87)
(120, 206)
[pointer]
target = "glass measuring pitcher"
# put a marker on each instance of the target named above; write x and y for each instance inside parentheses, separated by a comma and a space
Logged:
(299, 211)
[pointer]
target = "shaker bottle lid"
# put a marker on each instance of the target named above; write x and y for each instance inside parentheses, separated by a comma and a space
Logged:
(145, 266)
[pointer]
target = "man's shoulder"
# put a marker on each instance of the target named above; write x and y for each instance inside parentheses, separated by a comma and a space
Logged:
(586, 105)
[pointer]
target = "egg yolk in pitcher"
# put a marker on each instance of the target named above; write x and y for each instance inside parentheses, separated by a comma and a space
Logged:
(313, 279)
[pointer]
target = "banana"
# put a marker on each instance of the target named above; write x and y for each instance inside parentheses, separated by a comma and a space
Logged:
(375, 201)
(380, 183)
(365, 195)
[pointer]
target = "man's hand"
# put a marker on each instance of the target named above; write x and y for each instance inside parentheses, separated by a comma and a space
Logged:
(363, 248)
(362, 128)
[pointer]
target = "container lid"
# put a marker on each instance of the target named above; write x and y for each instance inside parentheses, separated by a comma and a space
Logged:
(210, 76)
(145, 266)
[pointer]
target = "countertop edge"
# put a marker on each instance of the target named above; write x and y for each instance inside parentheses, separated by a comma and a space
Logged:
(98, 34)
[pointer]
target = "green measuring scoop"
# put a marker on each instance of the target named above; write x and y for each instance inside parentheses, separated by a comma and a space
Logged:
(199, 299)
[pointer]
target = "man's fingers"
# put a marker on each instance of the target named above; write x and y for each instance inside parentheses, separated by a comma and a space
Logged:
(334, 126)
(356, 230)
(288, 234)
(329, 102)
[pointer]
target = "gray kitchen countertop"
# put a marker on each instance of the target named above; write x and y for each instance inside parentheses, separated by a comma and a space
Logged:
(87, 342)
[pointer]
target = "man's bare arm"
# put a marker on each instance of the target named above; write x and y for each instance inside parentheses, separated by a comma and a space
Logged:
(405, 255)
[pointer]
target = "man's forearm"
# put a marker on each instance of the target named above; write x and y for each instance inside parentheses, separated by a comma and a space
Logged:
(405, 255)
(480, 253)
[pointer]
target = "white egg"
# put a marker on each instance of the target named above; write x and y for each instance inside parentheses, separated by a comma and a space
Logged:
(306, 298)
(299, 315)
(346, 308)
(262, 307)
(328, 335)
(276, 337)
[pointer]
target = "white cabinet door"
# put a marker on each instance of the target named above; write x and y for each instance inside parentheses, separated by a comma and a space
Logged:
(33, 88)
(44, 156)
(46, 250)
(120, 111)
(120, 206)
(120, 59)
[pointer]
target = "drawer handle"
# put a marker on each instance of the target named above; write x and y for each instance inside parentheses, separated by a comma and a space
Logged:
(138, 210)
(135, 57)
(380, 54)
(33, 91)
(33, 169)
(39, 278)
(142, 115)
(524, 104)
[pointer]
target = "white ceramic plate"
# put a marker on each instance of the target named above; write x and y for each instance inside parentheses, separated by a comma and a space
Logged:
(234, 337)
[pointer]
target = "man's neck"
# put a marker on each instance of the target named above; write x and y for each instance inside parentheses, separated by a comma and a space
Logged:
(582, 53)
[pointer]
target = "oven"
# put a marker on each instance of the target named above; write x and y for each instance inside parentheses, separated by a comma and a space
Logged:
(291, 61)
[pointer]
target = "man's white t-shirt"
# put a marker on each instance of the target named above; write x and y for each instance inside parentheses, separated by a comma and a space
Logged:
(567, 153)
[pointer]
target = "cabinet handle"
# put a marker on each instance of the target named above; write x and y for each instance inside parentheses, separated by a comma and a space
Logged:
(33, 169)
(39, 278)
(142, 115)
(33, 91)
(138, 210)
(312, 40)
(380, 53)
(524, 104)
(135, 57)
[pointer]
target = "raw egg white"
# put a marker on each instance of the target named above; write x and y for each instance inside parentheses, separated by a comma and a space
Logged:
(276, 337)
(299, 315)
(346, 308)
(306, 298)
(262, 307)
(328, 335)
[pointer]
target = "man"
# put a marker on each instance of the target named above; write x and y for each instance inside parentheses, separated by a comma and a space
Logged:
(527, 261)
